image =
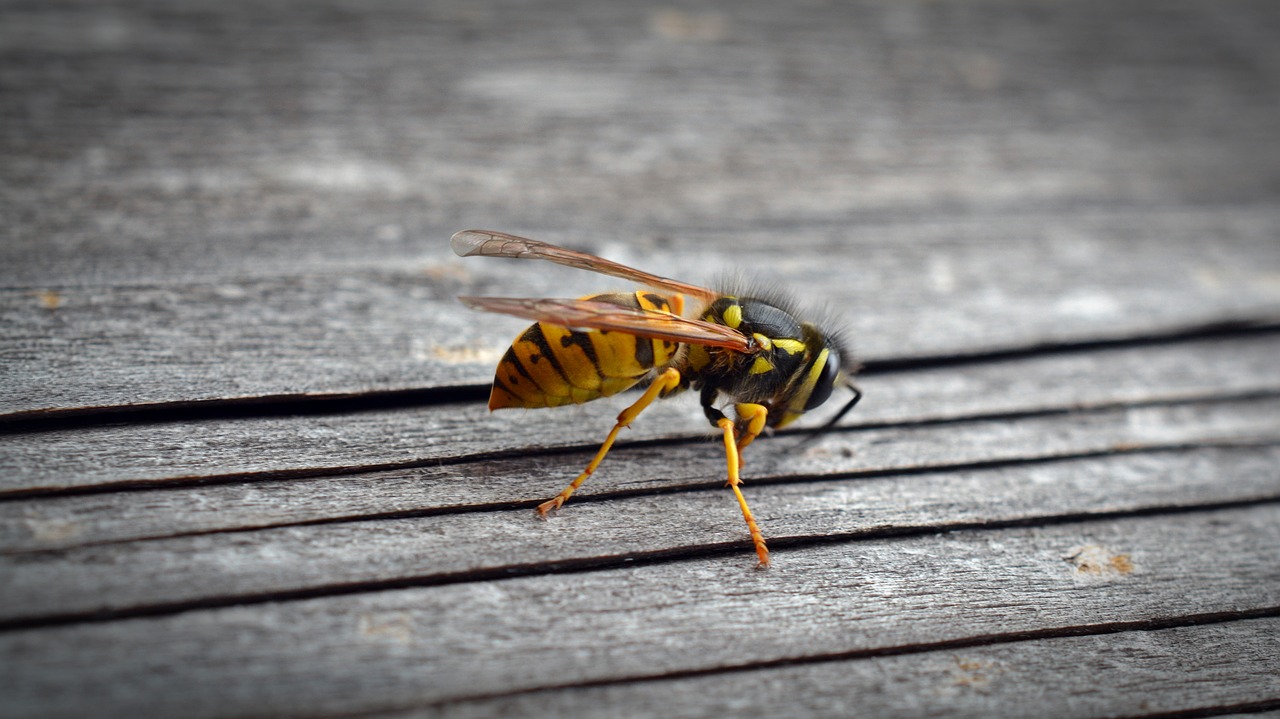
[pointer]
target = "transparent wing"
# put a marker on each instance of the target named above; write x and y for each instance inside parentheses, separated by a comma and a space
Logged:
(592, 314)
(487, 243)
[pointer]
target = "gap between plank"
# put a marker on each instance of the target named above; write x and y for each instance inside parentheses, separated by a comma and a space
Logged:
(34, 421)
(589, 564)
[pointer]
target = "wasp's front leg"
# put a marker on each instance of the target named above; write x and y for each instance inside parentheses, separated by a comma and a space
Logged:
(733, 445)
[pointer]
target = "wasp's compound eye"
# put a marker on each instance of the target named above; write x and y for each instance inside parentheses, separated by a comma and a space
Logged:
(826, 382)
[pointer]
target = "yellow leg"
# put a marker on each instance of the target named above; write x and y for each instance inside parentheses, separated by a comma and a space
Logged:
(731, 447)
(755, 416)
(663, 383)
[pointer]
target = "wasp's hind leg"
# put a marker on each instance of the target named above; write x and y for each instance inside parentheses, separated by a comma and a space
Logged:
(662, 385)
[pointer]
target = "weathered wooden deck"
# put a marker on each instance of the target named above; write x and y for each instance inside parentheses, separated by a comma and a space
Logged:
(245, 464)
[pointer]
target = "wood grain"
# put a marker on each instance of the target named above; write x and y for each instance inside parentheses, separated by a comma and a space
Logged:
(1124, 674)
(245, 469)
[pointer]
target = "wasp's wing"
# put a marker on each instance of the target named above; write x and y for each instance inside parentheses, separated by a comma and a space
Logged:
(596, 315)
(487, 243)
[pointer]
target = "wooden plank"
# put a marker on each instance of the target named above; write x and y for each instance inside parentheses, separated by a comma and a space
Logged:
(52, 523)
(964, 286)
(1202, 669)
(391, 649)
(110, 455)
(443, 546)
(64, 522)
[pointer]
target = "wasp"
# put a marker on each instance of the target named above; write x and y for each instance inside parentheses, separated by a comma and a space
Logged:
(771, 366)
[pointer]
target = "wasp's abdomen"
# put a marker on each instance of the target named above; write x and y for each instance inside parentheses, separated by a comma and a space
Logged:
(549, 365)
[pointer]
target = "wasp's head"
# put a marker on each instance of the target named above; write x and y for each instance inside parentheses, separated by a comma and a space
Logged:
(813, 382)
(793, 368)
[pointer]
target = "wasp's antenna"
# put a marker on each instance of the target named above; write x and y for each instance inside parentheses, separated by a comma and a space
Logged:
(857, 395)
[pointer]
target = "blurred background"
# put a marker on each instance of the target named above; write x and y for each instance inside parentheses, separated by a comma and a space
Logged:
(947, 176)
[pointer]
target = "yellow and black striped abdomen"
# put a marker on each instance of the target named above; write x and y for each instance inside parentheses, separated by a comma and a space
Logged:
(549, 365)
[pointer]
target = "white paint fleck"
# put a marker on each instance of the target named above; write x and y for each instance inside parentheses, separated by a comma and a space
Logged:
(53, 530)
(1088, 303)
(350, 175)
(389, 233)
(536, 91)
(942, 277)
(672, 24)
(389, 627)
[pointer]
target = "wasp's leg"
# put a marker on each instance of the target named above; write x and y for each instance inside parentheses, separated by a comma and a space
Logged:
(662, 384)
(753, 416)
(731, 450)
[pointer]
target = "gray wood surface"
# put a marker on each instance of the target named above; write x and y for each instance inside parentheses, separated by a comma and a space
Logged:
(386, 649)
(478, 485)
(1123, 674)
(248, 565)
(129, 454)
(1000, 176)
(245, 466)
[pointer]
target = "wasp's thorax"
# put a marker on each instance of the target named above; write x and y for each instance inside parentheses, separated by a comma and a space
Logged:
(792, 370)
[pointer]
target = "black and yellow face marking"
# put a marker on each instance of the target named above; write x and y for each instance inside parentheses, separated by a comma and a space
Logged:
(793, 370)
(770, 366)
